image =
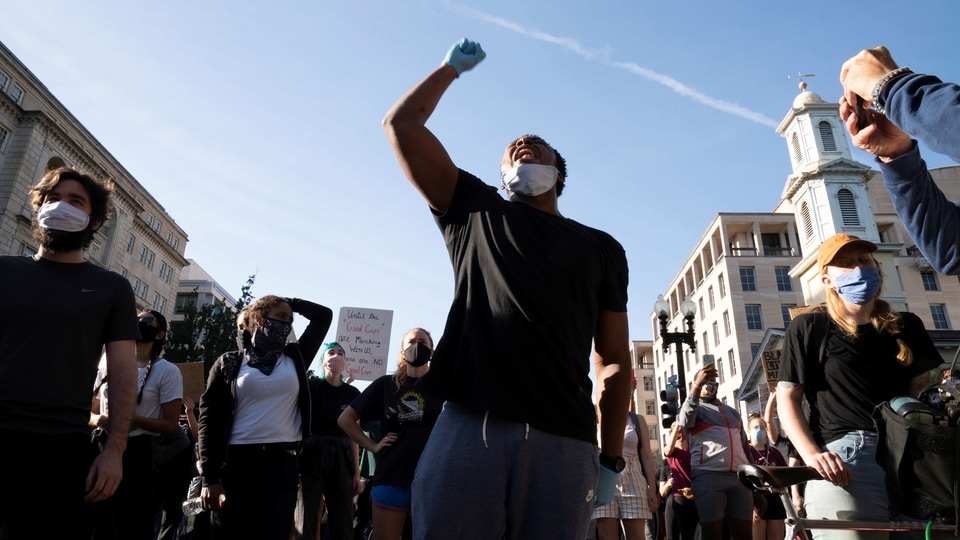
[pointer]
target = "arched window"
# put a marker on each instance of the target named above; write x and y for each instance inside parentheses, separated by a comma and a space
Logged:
(826, 136)
(807, 222)
(55, 163)
(797, 150)
(848, 207)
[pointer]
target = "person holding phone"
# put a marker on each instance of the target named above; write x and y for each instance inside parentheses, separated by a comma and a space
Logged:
(717, 448)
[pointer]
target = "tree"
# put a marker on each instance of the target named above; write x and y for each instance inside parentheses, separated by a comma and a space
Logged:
(206, 331)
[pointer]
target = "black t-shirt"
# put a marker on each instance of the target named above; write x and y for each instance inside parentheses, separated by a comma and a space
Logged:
(410, 413)
(55, 319)
(858, 374)
(529, 287)
(327, 402)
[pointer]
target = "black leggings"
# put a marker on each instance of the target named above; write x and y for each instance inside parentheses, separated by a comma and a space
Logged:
(681, 518)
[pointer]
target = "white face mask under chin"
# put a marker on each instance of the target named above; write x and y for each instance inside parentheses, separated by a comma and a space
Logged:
(62, 216)
(530, 179)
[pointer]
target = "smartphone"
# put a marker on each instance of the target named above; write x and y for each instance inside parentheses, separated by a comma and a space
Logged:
(862, 119)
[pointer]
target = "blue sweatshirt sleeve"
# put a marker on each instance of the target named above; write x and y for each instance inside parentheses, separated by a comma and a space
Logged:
(926, 108)
(929, 217)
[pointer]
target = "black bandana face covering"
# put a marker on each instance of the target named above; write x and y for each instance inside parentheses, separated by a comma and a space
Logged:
(268, 342)
(417, 354)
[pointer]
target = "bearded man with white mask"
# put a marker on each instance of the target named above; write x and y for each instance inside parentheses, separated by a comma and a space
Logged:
(514, 452)
(58, 313)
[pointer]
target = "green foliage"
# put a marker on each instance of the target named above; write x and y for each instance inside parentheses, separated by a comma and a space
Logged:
(207, 331)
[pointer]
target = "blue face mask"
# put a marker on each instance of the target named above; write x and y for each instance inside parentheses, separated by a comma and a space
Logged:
(859, 285)
(758, 435)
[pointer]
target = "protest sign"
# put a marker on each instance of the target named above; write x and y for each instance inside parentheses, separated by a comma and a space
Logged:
(364, 334)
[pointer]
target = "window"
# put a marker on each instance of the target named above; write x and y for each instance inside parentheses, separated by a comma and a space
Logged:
(3, 80)
(754, 348)
(184, 301)
(647, 383)
(165, 271)
(3, 137)
(706, 343)
(96, 248)
(785, 313)
(652, 430)
(783, 278)
(650, 408)
(929, 280)
(797, 150)
(163, 305)
(143, 253)
(156, 302)
(723, 286)
(703, 312)
(848, 207)
(716, 334)
(26, 250)
(826, 136)
(726, 323)
(142, 293)
(805, 218)
(754, 317)
(719, 366)
(149, 219)
(156, 226)
(123, 271)
(733, 363)
(939, 313)
(17, 94)
(130, 242)
(748, 278)
(149, 262)
(713, 304)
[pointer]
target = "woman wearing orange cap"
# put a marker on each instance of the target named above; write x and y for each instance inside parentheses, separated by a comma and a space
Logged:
(846, 358)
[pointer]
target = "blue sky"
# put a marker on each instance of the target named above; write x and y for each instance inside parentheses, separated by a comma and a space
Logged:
(257, 125)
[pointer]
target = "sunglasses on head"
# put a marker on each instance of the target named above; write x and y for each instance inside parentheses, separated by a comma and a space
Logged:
(147, 319)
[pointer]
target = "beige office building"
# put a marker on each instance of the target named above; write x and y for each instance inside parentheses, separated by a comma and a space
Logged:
(37, 133)
(749, 269)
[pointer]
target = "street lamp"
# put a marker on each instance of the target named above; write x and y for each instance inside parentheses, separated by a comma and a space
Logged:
(688, 308)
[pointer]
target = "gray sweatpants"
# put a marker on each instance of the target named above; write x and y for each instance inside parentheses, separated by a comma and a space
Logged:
(482, 477)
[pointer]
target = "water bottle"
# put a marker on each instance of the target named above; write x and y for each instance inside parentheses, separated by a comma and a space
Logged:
(192, 506)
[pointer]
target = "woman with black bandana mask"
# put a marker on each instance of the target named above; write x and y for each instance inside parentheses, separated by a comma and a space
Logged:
(407, 416)
(253, 414)
(129, 514)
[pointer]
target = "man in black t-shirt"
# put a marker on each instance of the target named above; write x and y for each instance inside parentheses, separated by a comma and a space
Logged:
(58, 313)
(533, 292)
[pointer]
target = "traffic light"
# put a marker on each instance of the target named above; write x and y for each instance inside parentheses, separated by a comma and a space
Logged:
(670, 405)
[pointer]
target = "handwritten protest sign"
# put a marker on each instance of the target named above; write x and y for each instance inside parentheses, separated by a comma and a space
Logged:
(365, 336)
(771, 365)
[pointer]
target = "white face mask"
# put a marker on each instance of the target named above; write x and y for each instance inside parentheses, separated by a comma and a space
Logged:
(62, 216)
(530, 179)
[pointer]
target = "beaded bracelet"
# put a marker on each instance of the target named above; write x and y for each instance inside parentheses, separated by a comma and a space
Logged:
(875, 96)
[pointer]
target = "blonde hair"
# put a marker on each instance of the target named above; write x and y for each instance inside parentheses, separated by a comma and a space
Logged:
(883, 318)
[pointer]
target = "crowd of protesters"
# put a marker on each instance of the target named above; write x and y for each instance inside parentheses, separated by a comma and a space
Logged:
(473, 438)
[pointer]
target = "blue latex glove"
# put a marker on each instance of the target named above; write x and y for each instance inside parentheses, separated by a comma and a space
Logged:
(463, 55)
(606, 486)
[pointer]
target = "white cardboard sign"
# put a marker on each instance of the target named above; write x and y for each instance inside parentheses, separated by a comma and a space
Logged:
(364, 334)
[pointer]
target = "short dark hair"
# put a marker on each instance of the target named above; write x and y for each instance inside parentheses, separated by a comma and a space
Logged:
(562, 168)
(100, 192)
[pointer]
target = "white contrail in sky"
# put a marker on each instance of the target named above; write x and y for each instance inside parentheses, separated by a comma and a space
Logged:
(603, 56)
